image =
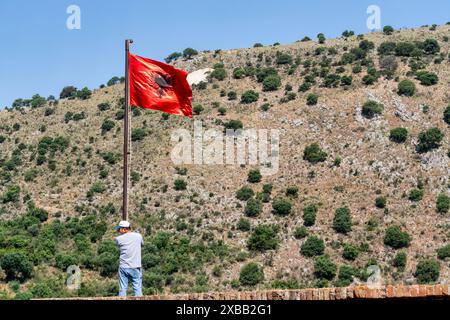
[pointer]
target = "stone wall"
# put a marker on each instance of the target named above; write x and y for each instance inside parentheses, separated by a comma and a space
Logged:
(440, 291)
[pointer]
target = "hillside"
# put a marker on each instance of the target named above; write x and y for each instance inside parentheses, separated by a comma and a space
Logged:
(61, 175)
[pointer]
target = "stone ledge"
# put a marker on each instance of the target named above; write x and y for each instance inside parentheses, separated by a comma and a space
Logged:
(357, 292)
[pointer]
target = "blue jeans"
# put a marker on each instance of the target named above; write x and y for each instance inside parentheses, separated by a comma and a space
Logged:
(132, 275)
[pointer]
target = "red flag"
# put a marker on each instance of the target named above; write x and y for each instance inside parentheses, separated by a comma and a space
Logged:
(159, 86)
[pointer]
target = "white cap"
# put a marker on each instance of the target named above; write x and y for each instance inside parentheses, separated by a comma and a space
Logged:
(123, 224)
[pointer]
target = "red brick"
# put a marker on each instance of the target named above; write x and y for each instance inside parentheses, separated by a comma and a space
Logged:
(422, 291)
(438, 290)
(446, 290)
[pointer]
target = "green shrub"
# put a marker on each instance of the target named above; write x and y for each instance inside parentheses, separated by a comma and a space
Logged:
(345, 276)
(138, 134)
(108, 264)
(281, 206)
(63, 261)
(314, 154)
(342, 221)
(309, 215)
(251, 274)
(396, 238)
(405, 49)
(429, 139)
(292, 192)
(218, 73)
(443, 203)
(233, 125)
(249, 96)
(254, 176)
(84, 94)
(427, 78)
(430, 46)
(427, 271)
(263, 73)
(311, 99)
(12, 194)
(271, 83)
(107, 125)
(350, 252)
(324, 268)
(283, 58)
(104, 106)
(173, 56)
(300, 232)
(398, 135)
(197, 109)
(253, 208)
(180, 184)
(222, 111)
(415, 194)
(444, 252)
(380, 202)
(16, 266)
(406, 88)
(244, 193)
(371, 108)
(239, 73)
(399, 261)
(243, 225)
(446, 116)
(313, 246)
(263, 237)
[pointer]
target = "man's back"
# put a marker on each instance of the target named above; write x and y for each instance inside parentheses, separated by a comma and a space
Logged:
(130, 244)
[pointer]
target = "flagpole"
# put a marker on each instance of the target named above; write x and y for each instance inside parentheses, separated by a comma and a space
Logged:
(126, 133)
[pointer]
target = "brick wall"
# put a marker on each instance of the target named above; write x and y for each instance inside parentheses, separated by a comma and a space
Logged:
(358, 292)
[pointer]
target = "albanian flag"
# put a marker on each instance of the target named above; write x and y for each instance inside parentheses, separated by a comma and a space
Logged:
(159, 86)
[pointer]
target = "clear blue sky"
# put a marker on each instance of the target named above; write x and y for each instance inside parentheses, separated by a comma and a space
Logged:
(40, 55)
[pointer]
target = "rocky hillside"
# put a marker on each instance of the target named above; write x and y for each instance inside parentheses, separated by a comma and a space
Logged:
(362, 179)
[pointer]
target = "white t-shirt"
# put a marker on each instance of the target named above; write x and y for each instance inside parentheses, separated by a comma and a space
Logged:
(130, 245)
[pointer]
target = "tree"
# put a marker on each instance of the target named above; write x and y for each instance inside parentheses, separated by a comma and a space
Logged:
(313, 246)
(251, 274)
(311, 99)
(281, 206)
(253, 208)
(300, 232)
(188, 53)
(386, 48)
(283, 58)
(103, 106)
(69, 92)
(342, 221)
(113, 81)
(406, 88)
(427, 271)
(324, 268)
(348, 33)
(396, 238)
(429, 139)
(321, 38)
(314, 154)
(218, 73)
(16, 266)
(271, 83)
(173, 56)
(380, 202)
(263, 237)
(371, 108)
(254, 176)
(398, 135)
(84, 93)
(388, 30)
(249, 96)
(443, 203)
(37, 101)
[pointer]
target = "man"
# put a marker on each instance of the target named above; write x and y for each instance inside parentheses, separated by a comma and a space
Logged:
(130, 267)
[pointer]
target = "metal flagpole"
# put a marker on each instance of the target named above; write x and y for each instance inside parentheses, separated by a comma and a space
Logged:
(126, 133)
